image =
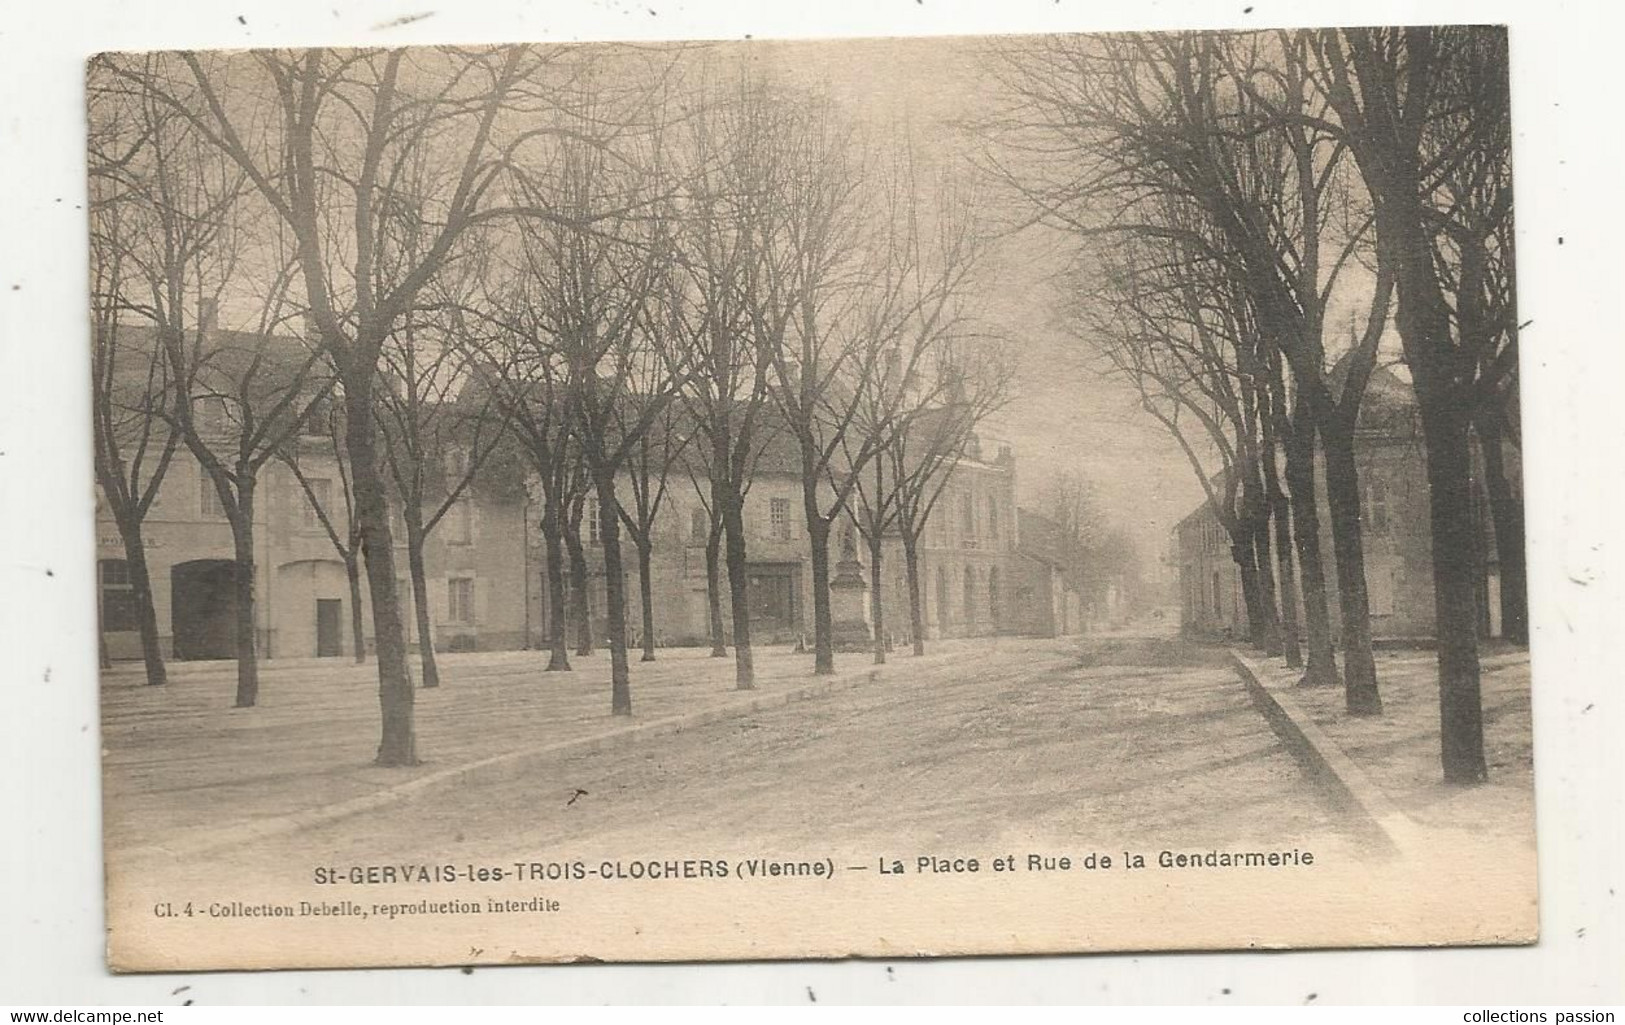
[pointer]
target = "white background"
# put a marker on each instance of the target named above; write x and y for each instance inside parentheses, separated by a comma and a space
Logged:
(1570, 164)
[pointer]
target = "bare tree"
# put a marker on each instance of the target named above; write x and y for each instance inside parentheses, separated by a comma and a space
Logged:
(940, 376)
(580, 578)
(921, 457)
(506, 330)
(844, 287)
(602, 288)
(238, 396)
(1475, 259)
(1175, 324)
(1424, 112)
(1071, 501)
(248, 395)
(135, 441)
(437, 434)
(724, 214)
(1218, 122)
(655, 454)
(327, 138)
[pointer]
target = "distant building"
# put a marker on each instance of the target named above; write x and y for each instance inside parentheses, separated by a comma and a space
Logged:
(1394, 518)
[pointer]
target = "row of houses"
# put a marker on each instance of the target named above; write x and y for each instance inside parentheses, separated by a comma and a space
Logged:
(487, 571)
(1394, 518)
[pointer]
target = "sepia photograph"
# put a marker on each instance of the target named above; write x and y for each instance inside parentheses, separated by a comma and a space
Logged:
(766, 499)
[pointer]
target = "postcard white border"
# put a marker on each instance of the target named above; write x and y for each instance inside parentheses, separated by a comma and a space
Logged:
(1572, 287)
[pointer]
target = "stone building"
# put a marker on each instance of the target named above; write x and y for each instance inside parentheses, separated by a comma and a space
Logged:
(474, 560)
(474, 563)
(486, 563)
(1394, 517)
(1049, 602)
(967, 558)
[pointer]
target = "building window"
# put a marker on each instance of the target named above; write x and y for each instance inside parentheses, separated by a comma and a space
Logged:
(209, 499)
(1376, 506)
(460, 599)
(993, 517)
(322, 490)
(460, 531)
(968, 517)
(699, 525)
(595, 524)
(779, 518)
(118, 597)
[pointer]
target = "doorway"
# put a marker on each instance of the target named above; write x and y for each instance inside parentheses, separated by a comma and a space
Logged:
(773, 612)
(203, 609)
(329, 634)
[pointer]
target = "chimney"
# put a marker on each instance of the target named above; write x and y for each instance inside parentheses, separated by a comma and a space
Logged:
(208, 315)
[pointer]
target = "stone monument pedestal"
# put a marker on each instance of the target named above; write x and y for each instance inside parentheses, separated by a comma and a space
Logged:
(849, 607)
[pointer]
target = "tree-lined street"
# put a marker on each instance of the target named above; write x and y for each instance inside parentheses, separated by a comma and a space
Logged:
(1116, 740)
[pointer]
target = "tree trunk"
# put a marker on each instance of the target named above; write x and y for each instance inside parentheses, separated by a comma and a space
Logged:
(146, 615)
(1506, 515)
(1343, 498)
(1300, 477)
(877, 606)
(713, 587)
(397, 743)
(580, 597)
(1281, 517)
(733, 526)
(1461, 720)
(823, 622)
(916, 607)
(352, 571)
(646, 590)
(558, 633)
(420, 593)
(1264, 559)
(609, 537)
(1241, 553)
(1258, 526)
(242, 536)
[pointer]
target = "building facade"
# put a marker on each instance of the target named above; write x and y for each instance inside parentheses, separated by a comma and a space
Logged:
(968, 560)
(1395, 530)
(474, 562)
(487, 572)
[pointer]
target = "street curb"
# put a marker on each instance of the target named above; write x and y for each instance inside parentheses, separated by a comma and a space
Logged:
(498, 767)
(1385, 826)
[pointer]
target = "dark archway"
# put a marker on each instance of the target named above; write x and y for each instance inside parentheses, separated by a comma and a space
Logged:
(203, 609)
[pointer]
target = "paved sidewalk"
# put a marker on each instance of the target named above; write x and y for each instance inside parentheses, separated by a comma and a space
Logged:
(1397, 754)
(183, 770)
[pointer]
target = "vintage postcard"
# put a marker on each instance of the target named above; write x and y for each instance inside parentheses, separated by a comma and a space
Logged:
(879, 498)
